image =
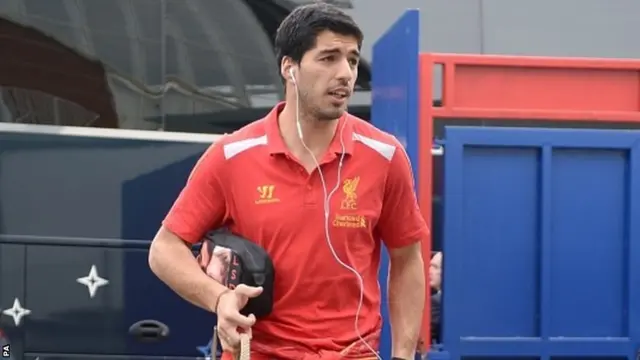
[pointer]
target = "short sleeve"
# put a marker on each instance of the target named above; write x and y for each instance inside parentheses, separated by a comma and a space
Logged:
(201, 205)
(401, 222)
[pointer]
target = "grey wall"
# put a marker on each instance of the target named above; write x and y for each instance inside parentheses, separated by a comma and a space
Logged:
(586, 28)
(574, 28)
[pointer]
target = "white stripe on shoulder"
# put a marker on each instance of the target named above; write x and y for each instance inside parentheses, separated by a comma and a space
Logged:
(234, 148)
(381, 148)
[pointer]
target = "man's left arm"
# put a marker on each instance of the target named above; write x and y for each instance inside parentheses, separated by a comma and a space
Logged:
(403, 229)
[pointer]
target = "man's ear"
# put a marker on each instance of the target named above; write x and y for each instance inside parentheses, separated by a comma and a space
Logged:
(286, 65)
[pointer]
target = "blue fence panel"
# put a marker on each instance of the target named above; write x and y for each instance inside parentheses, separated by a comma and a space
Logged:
(541, 248)
(394, 109)
(395, 76)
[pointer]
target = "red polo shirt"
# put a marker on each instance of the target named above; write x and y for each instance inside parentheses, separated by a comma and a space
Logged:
(250, 182)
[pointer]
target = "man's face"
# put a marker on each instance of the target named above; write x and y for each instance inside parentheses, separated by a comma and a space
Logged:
(327, 74)
(435, 271)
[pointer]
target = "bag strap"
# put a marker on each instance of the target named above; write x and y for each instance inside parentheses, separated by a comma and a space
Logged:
(245, 348)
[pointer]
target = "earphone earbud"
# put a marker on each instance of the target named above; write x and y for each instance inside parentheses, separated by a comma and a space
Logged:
(293, 78)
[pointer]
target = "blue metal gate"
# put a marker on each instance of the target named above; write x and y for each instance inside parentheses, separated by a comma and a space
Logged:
(541, 243)
(395, 109)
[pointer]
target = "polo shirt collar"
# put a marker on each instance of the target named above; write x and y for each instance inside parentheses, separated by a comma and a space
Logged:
(276, 143)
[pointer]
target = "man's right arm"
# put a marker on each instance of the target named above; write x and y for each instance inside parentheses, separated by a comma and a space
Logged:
(200, 207)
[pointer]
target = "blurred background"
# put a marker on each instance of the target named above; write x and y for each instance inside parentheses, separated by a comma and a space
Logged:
(69, 204)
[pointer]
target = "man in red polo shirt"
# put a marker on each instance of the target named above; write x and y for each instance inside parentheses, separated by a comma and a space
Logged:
(321, 191)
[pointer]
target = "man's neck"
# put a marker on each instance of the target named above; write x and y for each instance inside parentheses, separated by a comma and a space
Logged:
(317, 134)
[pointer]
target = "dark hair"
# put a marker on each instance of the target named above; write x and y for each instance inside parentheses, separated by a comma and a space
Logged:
(298, 31)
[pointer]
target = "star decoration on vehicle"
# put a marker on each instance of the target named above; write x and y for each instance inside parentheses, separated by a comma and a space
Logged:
(17, 312)
(206, 350)
(93, 281)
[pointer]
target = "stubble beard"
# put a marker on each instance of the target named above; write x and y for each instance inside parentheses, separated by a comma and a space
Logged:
(318, 113)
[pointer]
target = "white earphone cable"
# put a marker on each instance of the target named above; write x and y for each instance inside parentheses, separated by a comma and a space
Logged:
(327, 210)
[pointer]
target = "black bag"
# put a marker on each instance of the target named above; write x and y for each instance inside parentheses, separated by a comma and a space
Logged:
(240, 261)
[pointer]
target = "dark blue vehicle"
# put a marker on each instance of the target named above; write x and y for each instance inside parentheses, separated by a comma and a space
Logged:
(104, 109)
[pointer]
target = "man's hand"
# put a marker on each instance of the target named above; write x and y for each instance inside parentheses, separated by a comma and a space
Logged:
(230, 321)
